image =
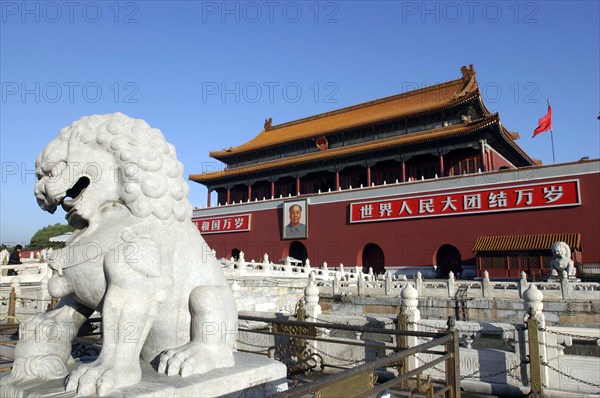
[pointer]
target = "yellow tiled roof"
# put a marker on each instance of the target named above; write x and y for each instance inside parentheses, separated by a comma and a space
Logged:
(423, 136)
(525, 242)
(414, 102)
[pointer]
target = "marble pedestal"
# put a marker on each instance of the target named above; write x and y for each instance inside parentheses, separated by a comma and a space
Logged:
(253, 376)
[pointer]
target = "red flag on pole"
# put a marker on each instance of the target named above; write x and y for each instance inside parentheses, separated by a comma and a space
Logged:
(545, 123)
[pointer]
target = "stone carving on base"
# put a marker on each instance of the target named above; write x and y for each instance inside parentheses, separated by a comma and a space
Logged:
(561, 260)
(135, 256)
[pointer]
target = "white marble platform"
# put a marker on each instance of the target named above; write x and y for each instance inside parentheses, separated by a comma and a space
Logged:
(253, 376)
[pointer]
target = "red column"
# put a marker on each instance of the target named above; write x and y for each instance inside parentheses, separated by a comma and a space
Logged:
(228, 196)
(368, 175)
(297, 185)
(403, 171)
(337, 180)
(249, 193)
(272, 189)
(442, 171)
(483, 157)
(208, 198)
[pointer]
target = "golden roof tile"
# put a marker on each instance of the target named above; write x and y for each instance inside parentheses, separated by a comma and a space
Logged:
(525, 242)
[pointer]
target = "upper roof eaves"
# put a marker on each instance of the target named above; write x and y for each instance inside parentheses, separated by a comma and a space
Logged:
(401, 105)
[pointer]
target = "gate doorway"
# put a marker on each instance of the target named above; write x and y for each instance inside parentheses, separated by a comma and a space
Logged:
(373, 257)
(448, 259)
(298, 251)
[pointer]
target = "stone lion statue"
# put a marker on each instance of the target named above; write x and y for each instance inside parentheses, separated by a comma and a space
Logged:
(135, 256)
(561, 259)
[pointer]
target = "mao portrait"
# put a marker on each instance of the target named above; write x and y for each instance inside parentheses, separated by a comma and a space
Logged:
(295, 219)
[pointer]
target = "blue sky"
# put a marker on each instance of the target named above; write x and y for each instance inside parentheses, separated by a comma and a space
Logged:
(209, 73)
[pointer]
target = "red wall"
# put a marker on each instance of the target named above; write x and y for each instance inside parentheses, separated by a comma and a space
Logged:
(413, 241)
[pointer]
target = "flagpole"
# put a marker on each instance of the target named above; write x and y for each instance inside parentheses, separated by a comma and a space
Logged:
(552, 140)
(551, 135)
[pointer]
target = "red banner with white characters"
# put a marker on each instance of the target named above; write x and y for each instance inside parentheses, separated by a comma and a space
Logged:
(518, 197)
(218, 225)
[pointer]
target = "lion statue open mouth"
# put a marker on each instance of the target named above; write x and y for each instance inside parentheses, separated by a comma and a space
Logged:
(135, 256)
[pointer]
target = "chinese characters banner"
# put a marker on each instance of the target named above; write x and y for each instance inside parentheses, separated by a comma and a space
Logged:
(217, 225)
(522, 197)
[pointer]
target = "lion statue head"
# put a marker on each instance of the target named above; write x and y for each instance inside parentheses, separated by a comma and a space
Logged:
(561, 259)
(111, 160)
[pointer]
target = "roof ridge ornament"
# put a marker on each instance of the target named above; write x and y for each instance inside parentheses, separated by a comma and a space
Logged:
(468, 73)
(268, 124)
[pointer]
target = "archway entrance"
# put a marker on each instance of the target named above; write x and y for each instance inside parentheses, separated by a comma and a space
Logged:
(448, 259)
(235, 254)
(298, 251)
(373, 257)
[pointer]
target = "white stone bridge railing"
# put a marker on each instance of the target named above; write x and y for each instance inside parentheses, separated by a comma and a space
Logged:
(495, 357)
(351, 280)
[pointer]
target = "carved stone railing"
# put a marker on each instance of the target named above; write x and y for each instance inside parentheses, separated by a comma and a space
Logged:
(351, 280)
(504, 358)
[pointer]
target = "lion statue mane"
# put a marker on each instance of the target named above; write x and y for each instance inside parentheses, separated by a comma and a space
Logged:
(135, 256)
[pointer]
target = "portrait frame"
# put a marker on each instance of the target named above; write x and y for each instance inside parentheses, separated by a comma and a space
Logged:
(288, 230)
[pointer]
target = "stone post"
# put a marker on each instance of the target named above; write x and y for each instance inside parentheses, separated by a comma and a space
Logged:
(371, 275)
(360, 283)
(241, 265)
(342, 269)
(311, 297)
(287, 266)
(43, 296)
(357, 270)
(486, 286)
(410, 309)
(325, 271)
(388, 283)
(565, 288)
(534, 306)
(523, 284)
(419, 283)
(307, 267)
(15, 285)
(451, 290)
(336, 282)
(266, 265)
(12, 306)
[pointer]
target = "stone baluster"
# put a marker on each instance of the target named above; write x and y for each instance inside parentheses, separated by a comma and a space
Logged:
(371, 275)
(356, 270)
(534, 306)
(15, 283)
(451, 285)
(337, 279)
(389, 283)
(325, 271)
(419, 283)
(307, 267)
(410, 308)
(342, 269)
(564, 285)
(311, 297)
(486, 286)
(360, 283)
(523, 284)
(43, 296)
(241, 264)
